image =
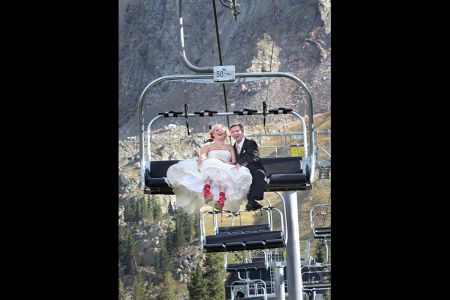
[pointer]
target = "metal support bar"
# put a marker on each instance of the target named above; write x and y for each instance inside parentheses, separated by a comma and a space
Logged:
(295, 284)
(185, 60)
(279, 283)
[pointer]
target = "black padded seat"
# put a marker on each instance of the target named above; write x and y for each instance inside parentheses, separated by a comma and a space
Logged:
(285, 174)
(253, 266)
(324, 232)
(154, 181)
(252, 298)
(312, 286)
(238, 241)
(243, 229)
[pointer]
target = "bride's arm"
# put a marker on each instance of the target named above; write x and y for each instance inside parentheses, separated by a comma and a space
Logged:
(233, 155)
(203, 155)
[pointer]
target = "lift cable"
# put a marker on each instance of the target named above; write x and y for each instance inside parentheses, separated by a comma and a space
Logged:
(220, 59)
(270, 65)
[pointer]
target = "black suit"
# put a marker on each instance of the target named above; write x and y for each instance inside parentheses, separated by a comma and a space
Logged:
(249, 157)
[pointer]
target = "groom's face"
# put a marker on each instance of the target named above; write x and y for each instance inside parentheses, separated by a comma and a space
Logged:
(237, 134)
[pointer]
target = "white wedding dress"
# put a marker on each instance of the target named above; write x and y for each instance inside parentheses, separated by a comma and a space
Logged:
(188, 182)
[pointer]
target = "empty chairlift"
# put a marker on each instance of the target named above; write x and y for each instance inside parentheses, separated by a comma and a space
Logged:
(251, 289)
(320, 219)
(242, 237)
(316, 279)
(253, 260)
(249, 260)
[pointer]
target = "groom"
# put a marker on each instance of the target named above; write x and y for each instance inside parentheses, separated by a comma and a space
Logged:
(247, 155)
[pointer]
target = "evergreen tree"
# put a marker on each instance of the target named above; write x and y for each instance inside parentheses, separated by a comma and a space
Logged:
(138, 288)
(196, 226)
(170, 209)
(171, 240)
(122, 295)
(180, 221)
(167, 290)
(137, 211)
(156, 209)
(319, 252)
(144, 212)
(128, 212)
(127, 251)
(214, 276)
(163, 263)
(148, 206)
(197, 286)
(188, 227)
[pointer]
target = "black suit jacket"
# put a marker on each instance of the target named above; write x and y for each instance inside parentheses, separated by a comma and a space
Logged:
(249, 157)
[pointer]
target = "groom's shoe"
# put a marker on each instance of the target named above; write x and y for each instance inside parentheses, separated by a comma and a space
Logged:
(253, 205)
(207, 194)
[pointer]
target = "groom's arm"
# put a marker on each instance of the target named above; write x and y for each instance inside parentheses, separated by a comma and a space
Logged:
(251, 154)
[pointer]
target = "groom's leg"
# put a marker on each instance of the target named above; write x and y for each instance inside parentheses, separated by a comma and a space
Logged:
(256, 190)
(257, 186)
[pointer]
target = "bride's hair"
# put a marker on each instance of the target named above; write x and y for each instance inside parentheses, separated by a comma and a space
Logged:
(227, 132)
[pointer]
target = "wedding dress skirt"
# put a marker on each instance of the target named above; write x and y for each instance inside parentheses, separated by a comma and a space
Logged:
(188, 182)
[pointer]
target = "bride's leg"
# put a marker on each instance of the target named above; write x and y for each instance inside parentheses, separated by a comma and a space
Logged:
(221, 201)
(207, 192)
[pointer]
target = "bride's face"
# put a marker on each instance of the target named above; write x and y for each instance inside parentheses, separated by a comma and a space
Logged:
(219, 133)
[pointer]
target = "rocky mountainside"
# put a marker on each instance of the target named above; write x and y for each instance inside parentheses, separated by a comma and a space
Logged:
(279, 35)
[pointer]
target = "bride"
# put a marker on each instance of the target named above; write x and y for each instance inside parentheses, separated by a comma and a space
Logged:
(214, 174)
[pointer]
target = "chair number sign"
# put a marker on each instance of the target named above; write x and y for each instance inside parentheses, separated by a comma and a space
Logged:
(224, 73)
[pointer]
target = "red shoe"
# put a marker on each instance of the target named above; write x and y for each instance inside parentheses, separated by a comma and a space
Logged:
(220, 202)
(207, 193)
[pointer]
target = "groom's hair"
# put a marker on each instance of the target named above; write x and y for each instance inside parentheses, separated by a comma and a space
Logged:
(237, 124)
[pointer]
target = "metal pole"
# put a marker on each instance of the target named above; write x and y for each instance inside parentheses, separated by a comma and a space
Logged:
(279, 283)
(295, 284)
(329, 140)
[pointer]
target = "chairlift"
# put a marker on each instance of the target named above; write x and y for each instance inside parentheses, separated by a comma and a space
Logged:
(244, 237)
(316, 279)
(283, 173)
(324, 165)
(251, 260)
(253, 289)
(324, 211)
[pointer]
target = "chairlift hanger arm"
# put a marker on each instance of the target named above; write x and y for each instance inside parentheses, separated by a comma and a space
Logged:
(185, 60)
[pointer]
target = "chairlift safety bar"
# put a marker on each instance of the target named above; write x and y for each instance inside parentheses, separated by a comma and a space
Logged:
(149, 138)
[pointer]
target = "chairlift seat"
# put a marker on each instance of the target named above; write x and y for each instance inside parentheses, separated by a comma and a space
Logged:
(323, 232)
(243, 229)
(284, 173)
(316, 286)
(238, 241)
